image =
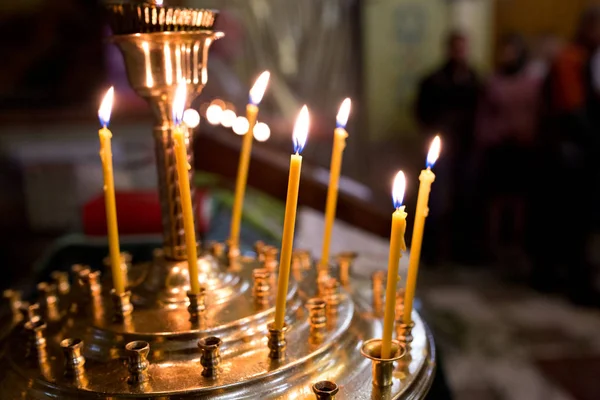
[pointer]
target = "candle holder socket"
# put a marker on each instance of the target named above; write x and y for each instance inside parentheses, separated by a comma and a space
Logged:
(197, 304)
(325, 390)
(49, 300)
(90, 282)
(211, 356)
(61, 279)
(258, 249)
(233, 251)
(122, 306)
(14, 302)
(36, 339)
(217, 249)
(344, 261)
(382, 368)
(277, 343)
(262, 286)
(30, 312)
(74, 360)
(316, 316)
(404, 332)
(137, 363)
(377, 282)
(304, 257)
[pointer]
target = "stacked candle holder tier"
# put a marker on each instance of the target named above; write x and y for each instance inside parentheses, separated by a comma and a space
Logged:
(233, 314)
(79, 340)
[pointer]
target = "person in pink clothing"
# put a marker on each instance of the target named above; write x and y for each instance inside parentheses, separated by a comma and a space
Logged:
(506, 126)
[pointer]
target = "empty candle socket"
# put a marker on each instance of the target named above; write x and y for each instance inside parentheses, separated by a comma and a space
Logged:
(197, 304)
(262, 286)
(74, 360)
(122, 306)
(404, 332)
(258, 249)
(316, 316)
(377, 281)
(49, 300)
(61, 279)
(382, 368)
(304, 257)
(36, 340)
(210, 357)
(30, 312)
(90, 282)
(276, 343)
(325, 390)
(14, 302)
(345, 261)
(217, 249)
(399, 313)
(332, 295)
(137, 362)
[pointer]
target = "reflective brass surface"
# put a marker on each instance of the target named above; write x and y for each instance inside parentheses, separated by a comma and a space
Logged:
(156, 62)
(245, 370)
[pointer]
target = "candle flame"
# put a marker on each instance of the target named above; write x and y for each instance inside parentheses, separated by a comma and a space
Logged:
(343, 113)
(301, 130)
(398, 189)
(179, 102)
(258, 90)
(106, 107)
(434, 151)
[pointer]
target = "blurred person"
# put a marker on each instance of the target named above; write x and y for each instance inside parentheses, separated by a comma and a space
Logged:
(446, 103)
(505, 133)
(566, 173)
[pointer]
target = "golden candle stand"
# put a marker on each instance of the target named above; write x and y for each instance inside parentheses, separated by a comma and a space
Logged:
(80, 341)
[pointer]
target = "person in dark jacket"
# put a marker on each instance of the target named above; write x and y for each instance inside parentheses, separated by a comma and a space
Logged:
(446, 104)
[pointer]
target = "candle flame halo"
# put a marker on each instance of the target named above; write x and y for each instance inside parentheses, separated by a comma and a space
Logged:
(179, 102)
(434, 151)
(258, 90)
(106, 107)
(301, 130)
(343, 113)
(398, 189)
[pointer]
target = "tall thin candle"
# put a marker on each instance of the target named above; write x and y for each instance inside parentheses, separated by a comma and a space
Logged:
(256, 95)
(118, 274)
(339, 143)
(396, 246)
(427, 177)
(289, 222)
(178, 135)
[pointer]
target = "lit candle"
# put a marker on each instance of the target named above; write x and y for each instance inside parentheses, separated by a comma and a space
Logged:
(256, 95)
(289, 222)
(109, 193)
(183, 179)
(396, 246)
(427, 177)
(339, 143)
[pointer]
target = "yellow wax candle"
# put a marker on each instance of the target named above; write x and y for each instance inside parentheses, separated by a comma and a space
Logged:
(184, 187)
(396, 246)
(256, 94)
(339, 143)
(289, 222)
(109, 193)
(427, 177)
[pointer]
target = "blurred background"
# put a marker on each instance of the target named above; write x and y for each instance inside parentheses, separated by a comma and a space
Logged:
(509, 281)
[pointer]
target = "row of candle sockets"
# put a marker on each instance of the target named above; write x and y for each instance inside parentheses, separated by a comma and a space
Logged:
(321, 315)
